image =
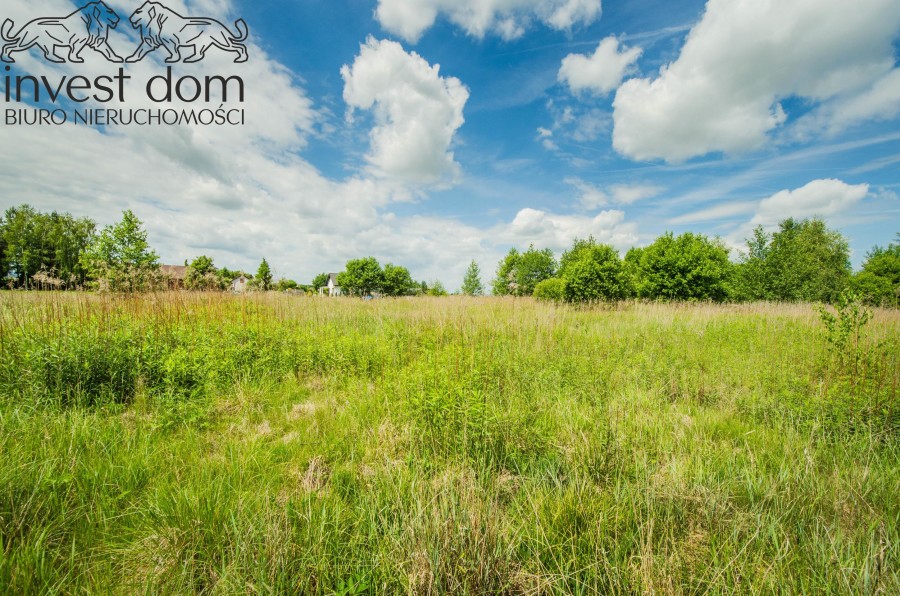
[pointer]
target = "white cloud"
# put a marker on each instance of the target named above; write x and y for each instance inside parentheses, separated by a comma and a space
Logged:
(588, 126)
(417, 112)
(627, 194)
(545, 136)
(507, 18)
(548, 230)
(820, 198)
(589, 196)
(602, 71)
(592, 197)
(827, 198)
(880, 101)
(739, 61)
(582, 124)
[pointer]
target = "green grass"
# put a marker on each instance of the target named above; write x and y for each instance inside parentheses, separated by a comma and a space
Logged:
(214, 444)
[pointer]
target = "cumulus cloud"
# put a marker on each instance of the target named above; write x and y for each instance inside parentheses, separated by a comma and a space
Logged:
(601, 72)
(554, 231)
(827, 199)
(507, 18)
(723, 92)
(820, 198)
(417, 112)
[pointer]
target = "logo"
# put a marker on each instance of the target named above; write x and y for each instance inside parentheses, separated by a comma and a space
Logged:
(158, 25)
(86, 27)
(44, 100)
(161, 26)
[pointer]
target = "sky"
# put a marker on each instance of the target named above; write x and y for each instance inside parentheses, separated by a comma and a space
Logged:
(430, 133)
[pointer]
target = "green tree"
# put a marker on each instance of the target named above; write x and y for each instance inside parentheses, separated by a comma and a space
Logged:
(878, 283)
(226, 276)
(320, 281)
(751, 278)
(534, 266)
(4, 266)
(436, 288)
(263, 277)
(361, 277)
(121, 260)
(43, 247)
(591, 272)
(631, 269)
(805, 261)
(202, 275)
(286, 284)
(397, 281)
(24, 250)
(518, 273)
(687, 267)
(504, 283)
(472, 285)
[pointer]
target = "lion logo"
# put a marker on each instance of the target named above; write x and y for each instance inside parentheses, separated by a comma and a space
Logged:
(161, 26)
(86, 27)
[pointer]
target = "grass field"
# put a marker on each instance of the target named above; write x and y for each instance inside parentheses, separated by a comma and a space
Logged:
(215, 444)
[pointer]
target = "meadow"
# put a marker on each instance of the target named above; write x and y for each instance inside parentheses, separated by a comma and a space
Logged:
(202, 443)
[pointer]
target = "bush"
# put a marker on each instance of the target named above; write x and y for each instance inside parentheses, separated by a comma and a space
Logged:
(687, 267)
(592, 272)
(551, 289)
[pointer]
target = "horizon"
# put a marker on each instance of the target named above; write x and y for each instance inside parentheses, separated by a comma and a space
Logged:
(430, 136)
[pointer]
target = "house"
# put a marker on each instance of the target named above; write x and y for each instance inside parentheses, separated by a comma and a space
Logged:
(239, 285)
(175, 275)
(332, 286)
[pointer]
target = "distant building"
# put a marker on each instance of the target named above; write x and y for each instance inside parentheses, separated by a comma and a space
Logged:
(332, 286)
(239, 285)
(175, 275)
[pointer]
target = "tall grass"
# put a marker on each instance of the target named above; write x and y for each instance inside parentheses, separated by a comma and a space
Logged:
(183, 443)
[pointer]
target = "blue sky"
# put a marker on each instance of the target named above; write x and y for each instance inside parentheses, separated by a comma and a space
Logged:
(433, 132)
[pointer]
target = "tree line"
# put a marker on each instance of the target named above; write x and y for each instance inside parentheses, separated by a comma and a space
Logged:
(366, 277)
(803, 260)
(57, 251)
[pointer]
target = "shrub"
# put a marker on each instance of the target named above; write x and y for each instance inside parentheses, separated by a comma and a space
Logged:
(551, 289)
(687, 267)
(592, 272)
